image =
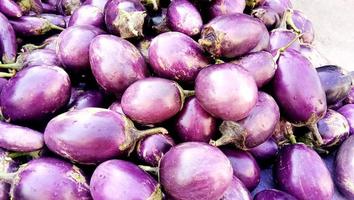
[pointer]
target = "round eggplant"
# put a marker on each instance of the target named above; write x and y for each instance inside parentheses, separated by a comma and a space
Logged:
(87, 15)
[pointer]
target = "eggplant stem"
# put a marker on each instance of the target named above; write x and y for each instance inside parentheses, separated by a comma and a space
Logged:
(15, 66)
(219, 61)
(6, 75)
(143, 133)
(314, 130)
(289, 133)
(153, 170)
(286, 15)
(55, 27)
(188, 93)
(284, 48)
(290, 22)
(31, 47)
(7, 177)
(33, 154)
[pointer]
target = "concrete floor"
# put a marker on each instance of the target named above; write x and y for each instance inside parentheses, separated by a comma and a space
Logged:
(334, 28)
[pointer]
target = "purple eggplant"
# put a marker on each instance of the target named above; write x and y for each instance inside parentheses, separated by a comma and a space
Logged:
(336, 82)
(20, 139)
(49, 43)
(226, 7)
(48, 178)
(90, 98)
(334, 128)
(73, 47)
(281, 37)
(49, 8)
(158, 21)
(348, 112)
(32, 26)
(273, 194)
(279, 6)
(10, 8)
(260, 65)
(97, 3)
(67, 7)
(116, 107)
(151, 149)
(183, 16)
(87, 15)
(117, 67)
(344, 168)
(298, 91)
(194, 170)
(350, 97)
(115, 179)
(153, 100)
(57, 20)
(8, 44)
(125, 18)
(194, 124)
(236, 191)
(244, 167)
(253, 130)
(93, 135)
(266, 151)
(313, 55)
(176, 56)
(226, 91)
(26, 100)
(268, 16)
(300, 23)
(234, 35)
(267, 180)
(301, 172)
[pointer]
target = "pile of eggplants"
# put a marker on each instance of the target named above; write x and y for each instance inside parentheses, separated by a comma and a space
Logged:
(170, 99)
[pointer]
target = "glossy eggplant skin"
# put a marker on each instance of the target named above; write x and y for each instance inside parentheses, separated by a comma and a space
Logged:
(236, 191)
(226, 7)
(344, 168)
(301, 172)
(281, 37)
(265, 152)
(336, 82)
(27, 26)
(313, 55)
(98, 3)
(348, 112)
(279, 6)
(87, 15)
(10, 8)
(8, 44)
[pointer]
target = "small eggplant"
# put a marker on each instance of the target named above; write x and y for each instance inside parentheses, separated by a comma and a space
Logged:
(87, 15)
(273, 194)
(226, 7)
(301, 172)
(299, 22)
(26, 100)
(151, 149)
(268, 16)
(260, 65)
(90, 98)
(344, 168)
(195, 170)
(234, 35)
(280, 38)
(183, 16)
(116, 68)
(226, 91)
(336, 82)
(348, 112)
(118, 178)
(8, 44)
(244, 167)
(194, 124)
(93, 135)
(20, 139)
(236, 191)
(153, 100)
(333, 128)
(73, 47)
(10, 8)
(279, 6)
(176, 56)
(48, 178)
(125, 18)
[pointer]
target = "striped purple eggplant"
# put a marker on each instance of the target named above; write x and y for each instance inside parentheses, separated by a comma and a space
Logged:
(10, 8)
(8, 44)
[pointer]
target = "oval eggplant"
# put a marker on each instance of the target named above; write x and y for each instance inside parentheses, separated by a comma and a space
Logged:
(35, 93)
(244, 167)
(226, 91)
(315, 57)
(117, 67)
(125, 18)
(152, 100)
(266, 151)
(281, 37)
(10, 8)
(183, 16)
(93, 135)
(121, 176)
(236, 191)
(260, 65)
(8, 44)
(279, 6)
(344, 169)
(48, 178)
(20, 139)
(234, 35)
(301, 172)
(336, 82)
(32, 26)
(348, 112)
(73, 47)
(97, 3)
(176, 56)
(151, 149)
(116, 107)
(194, 170)
(226, 7)
(273, 194)
(268, 16)
(90, 98)
(302, 24)
(87, 15)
